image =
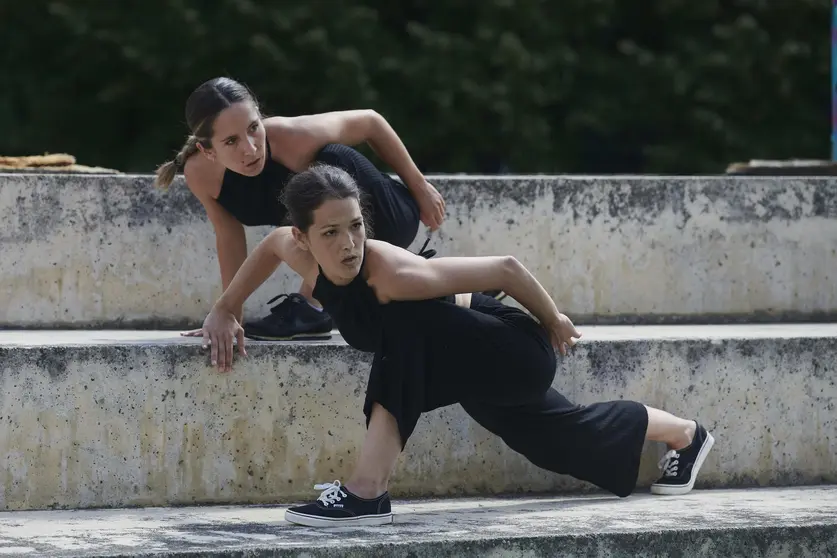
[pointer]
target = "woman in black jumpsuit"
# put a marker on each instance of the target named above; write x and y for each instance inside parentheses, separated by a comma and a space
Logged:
(434, 347)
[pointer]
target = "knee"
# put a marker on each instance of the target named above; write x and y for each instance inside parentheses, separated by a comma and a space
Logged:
(548, 367)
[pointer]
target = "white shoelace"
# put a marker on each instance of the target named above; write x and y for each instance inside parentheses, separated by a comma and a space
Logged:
(332, 493)
(669, 463)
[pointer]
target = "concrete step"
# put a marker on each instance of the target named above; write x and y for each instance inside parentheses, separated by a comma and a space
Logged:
(122, 418)
(111, 252)
(798, 522)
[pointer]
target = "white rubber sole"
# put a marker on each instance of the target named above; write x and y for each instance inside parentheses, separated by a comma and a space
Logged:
(314, 521)
(671, 490)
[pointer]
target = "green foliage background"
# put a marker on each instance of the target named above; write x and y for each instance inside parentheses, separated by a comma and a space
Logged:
(531, 86)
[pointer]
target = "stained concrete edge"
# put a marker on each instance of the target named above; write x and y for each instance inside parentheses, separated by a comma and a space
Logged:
(25, 338)
(689, 319)
(101, 251)
(779, 542)
(768, 523)
(114, 421)
(772, 542)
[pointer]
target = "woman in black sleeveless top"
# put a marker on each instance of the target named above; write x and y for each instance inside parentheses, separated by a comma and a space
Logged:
(236, 163)
(435, 347)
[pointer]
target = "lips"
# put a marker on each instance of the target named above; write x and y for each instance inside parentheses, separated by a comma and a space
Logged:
(350, 260)
(254, 163)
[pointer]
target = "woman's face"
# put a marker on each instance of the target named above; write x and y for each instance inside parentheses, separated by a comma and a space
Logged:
(238, 139)
(336, 239)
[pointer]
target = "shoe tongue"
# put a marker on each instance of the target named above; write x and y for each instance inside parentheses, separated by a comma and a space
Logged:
(290, 298)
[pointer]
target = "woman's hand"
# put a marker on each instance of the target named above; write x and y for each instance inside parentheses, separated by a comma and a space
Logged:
(219, 329)
(563, 333)
(431, 205)
(199, 332)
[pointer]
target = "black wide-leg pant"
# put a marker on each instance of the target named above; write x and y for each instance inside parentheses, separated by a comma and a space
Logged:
(499, 364)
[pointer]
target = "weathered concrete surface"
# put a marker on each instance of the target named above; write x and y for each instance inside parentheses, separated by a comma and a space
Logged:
(116, 418)
(718, 524)
(110, 251)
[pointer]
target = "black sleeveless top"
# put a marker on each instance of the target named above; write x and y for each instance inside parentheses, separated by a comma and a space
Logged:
(355, 309)
(254, 200)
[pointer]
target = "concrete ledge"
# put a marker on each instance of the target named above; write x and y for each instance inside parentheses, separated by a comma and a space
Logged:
(708, 524)
(103, 419)
(111, 252)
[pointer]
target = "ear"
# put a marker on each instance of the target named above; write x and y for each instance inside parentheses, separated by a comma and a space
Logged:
(208, 153)
(301, 238)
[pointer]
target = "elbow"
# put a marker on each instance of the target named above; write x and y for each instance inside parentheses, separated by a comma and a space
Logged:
(513, 270)
(375, 123)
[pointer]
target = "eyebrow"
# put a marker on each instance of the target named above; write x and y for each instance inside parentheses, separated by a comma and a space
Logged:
(330, 225)
(226, 139)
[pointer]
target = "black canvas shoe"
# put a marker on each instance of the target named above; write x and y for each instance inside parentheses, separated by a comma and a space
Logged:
(681, 467)
(336, 506)
(292, 319)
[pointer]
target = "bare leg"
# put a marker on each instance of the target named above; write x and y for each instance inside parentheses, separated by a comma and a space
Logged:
(664, 427)
(380, 450)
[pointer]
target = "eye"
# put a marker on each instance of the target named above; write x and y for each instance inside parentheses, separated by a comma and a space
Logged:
(254, 126)
(357, 226)
(230, 141)
(329, 233)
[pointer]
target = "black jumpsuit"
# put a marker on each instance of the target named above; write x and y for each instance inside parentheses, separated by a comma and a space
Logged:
(498, 363)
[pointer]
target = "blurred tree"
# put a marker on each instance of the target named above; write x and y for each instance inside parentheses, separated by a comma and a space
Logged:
(532, 85)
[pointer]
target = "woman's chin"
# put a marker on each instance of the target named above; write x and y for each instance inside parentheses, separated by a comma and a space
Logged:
(343, 272)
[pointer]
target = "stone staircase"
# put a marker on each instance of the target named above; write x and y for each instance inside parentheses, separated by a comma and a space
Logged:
(707, 524)
(711, 297)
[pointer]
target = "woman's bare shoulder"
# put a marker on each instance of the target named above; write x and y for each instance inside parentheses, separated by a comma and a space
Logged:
(384, 262)
(384, 254)
(289, 144)
(203, 177)
(286, 247)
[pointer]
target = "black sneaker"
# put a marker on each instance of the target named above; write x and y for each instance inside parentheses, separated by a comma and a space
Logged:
(681, 467)
(337, 506)
(293, 318)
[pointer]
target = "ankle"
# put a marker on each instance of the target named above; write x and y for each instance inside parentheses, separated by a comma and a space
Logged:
(366, 488)
(685, 438)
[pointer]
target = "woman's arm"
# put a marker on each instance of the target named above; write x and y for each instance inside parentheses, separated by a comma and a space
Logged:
(221, 326)
(230, 239)
(231, 246)
(352, 127)
(275, 248)
(401, 275)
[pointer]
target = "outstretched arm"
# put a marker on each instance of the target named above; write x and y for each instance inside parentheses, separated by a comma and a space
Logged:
(256, 269)
(230, 240)
(402, 275)
(353, 127)
(405, 276)
(221, 326)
